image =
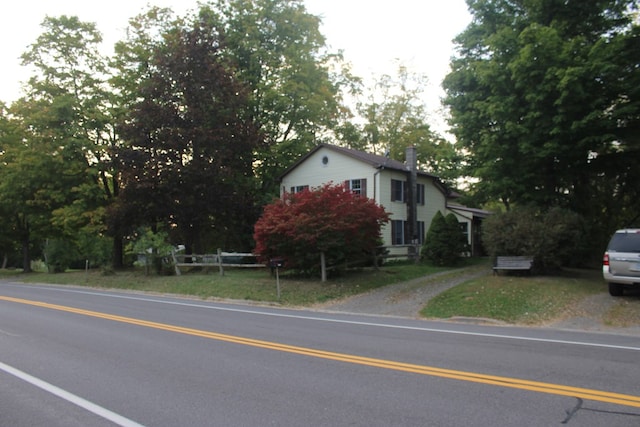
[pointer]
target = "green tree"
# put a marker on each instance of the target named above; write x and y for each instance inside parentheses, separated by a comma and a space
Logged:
(66, 110)
(394, 118)
(9, 234)
(38, 176)
(544, 99)
(188, 162)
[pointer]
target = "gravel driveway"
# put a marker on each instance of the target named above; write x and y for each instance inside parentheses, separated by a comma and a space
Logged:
(404, 299)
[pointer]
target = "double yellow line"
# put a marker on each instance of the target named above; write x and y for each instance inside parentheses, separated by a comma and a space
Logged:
(540, 387)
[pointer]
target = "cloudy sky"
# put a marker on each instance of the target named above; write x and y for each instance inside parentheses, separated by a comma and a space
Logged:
(374, 34)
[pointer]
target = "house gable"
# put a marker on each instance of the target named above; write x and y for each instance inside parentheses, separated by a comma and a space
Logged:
(324, 165)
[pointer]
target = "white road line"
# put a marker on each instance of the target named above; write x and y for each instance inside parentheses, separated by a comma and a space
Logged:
(349, 322)
(69, 397)
(8, 333)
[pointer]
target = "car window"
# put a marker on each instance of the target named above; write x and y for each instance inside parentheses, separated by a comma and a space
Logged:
(625, 242)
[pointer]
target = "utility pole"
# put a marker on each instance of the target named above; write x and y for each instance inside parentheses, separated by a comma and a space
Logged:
(411, 160)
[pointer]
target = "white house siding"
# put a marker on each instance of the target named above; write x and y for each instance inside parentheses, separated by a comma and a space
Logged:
(434, 201)
(433, 197)
(338, 168)
(398, 210)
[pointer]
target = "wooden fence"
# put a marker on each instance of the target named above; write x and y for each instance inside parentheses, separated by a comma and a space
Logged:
(222, 259)
(219, 260)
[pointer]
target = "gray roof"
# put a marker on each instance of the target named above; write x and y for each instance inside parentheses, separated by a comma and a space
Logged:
(481, 213)
(376, 161)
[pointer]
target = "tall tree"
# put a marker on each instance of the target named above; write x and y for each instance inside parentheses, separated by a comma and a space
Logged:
(282, 57)
(9, 237)
(189, 155)
(40, 174)
(66, 108)
(394, 117)
(131, 66)
(544, 98)
(47, 167)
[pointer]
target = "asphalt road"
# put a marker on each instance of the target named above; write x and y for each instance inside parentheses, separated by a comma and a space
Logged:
(79, 357)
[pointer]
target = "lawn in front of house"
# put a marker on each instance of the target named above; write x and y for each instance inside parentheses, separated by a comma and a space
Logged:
(242, 284)
(516, 299)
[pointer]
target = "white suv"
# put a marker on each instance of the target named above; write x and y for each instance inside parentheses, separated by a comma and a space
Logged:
(621, 261)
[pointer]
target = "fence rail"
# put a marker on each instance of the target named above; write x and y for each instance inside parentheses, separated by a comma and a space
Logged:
(219, 259)
(400, 251)
(238, 259)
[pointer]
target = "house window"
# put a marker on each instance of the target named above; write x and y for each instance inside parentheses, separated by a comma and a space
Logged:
(299, 188)
(400, 232)
(464, 227)
(358, 186)
(398, 191)
(397, 232)
(421, 232)
(420, 194)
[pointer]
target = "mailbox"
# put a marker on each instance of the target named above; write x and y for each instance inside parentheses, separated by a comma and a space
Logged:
(277, 263)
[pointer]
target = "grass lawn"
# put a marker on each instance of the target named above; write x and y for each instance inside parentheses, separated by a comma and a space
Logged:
(240, 284)
(516, 299)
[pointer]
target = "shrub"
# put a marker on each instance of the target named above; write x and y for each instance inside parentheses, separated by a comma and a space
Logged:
(97, 250)
(59, 254)
(445, 242)
(330, 220)
(151, 248)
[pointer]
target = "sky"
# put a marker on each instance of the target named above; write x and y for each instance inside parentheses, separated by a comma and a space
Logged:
(374, 35)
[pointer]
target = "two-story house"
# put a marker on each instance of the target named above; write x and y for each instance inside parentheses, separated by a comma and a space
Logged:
(412, 197)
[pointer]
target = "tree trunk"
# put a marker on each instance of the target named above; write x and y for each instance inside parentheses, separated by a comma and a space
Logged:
(118, 252)
(323, 267)
(26, 255)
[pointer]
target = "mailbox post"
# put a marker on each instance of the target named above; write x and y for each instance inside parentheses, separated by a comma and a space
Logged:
(276, 263)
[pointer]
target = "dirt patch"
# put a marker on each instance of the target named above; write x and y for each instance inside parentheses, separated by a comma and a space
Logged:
(602, 312)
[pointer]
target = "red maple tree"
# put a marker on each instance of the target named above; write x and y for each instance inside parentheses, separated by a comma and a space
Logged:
(330, 219)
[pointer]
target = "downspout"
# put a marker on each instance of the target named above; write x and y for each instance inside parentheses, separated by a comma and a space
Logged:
(375, 185)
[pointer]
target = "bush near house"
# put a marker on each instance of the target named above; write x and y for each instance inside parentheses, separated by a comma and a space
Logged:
(330, 220)
(444, 243)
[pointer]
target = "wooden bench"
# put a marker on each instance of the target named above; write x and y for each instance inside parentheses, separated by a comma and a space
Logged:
(522, 263)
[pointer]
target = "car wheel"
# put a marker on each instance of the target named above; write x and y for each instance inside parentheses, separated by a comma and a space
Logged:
(616, 289)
